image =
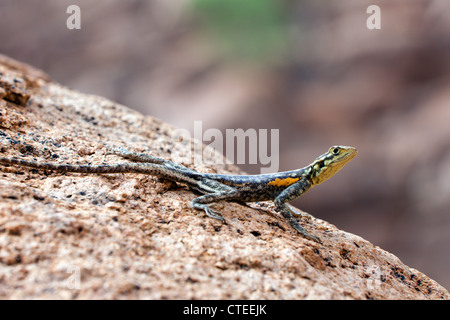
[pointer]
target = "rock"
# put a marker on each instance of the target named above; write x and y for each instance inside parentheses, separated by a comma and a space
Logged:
(131, 236)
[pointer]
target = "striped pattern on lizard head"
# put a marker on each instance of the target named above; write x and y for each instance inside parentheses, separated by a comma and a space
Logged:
(328, 164)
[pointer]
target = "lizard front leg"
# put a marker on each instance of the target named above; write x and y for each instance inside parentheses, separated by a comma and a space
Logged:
(290, 193)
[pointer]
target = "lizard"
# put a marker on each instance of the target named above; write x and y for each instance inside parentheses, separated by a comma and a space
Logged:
(280, 187)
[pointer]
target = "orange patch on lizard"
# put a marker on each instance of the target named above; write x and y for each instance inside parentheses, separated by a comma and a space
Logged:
(283, 182)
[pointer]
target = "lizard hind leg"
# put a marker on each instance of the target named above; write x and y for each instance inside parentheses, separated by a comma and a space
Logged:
(209, 212)
(201, 203)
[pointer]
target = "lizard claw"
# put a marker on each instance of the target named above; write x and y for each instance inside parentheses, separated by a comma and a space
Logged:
(209, 212)
(303, 215)
(213, 213)
(304, 233)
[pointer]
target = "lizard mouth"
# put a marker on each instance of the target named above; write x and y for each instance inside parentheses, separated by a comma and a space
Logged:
(332, 162)
(350, 153)
(346, 156)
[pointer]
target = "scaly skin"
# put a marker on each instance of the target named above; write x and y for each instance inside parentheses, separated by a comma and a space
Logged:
(280, 187)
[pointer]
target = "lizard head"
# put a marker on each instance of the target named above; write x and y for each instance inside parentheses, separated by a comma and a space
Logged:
(328, 164)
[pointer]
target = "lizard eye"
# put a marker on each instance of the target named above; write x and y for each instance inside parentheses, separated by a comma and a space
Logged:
(335, 150)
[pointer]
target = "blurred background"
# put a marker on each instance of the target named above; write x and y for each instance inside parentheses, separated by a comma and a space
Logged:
(310, 68)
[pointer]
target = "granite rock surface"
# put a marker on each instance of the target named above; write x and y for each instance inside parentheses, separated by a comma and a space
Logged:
(131, 236)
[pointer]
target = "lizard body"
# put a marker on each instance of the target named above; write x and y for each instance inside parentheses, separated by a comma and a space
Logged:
(280, 187)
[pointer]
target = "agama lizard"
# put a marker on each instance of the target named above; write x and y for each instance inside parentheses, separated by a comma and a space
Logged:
(280, 187)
